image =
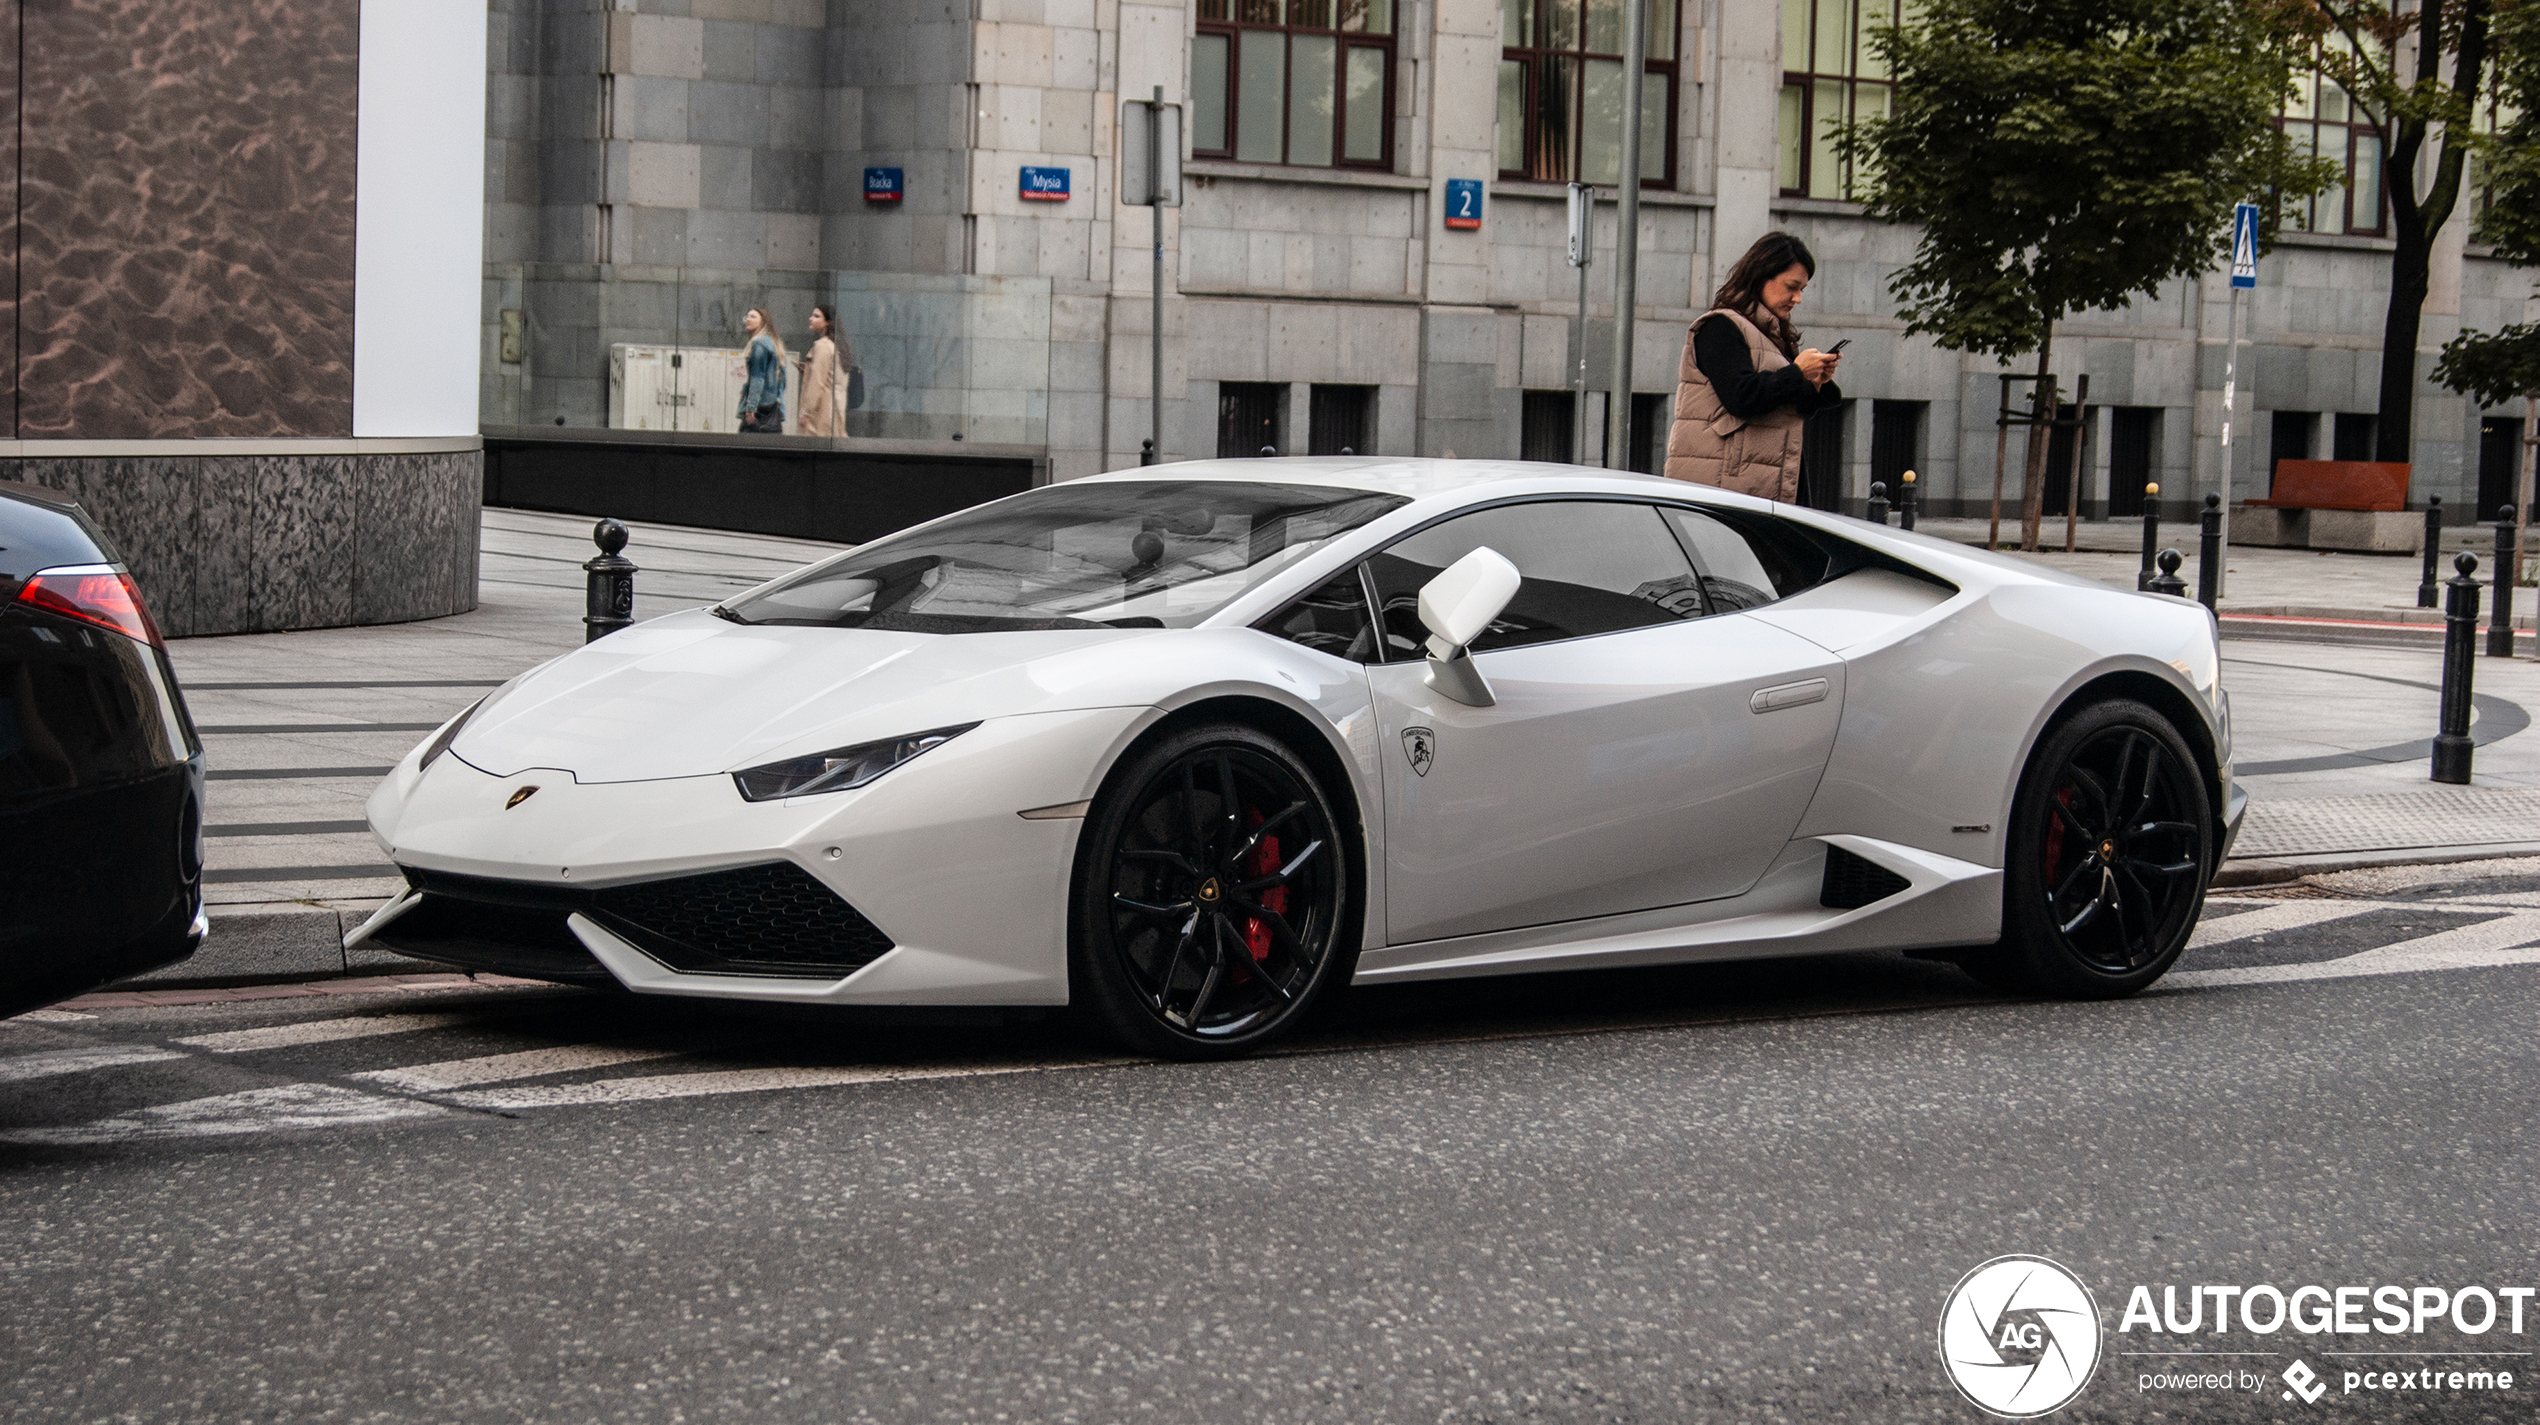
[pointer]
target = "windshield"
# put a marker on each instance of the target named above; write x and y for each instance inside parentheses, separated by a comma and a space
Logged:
(1126, 554)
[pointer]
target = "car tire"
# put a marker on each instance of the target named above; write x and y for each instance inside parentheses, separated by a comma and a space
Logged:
(1213, 899)
(2111, 845)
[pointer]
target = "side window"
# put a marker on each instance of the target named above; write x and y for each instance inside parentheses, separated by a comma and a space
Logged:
(1589, 566)
(1747, 562)
(1333, 619)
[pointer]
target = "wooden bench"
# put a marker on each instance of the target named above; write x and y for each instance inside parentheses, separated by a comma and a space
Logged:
(2355, 505)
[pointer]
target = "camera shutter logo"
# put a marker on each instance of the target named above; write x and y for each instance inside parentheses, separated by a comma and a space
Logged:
(2020, 1337)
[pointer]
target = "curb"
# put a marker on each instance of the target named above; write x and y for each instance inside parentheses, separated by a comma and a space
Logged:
(2277, 870)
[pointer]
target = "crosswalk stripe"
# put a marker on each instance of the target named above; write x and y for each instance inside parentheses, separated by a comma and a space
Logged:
(731, 1081)
(321, 1031)
(495, 1068)
(80, 1061)
(2508, 940)
(254, 1111)
(2284, 915)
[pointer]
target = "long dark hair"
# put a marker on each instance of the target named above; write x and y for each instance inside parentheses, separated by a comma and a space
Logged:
(1742, 291)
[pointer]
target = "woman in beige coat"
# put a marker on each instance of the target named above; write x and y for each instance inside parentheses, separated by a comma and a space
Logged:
(824, 385)
(1745, 388)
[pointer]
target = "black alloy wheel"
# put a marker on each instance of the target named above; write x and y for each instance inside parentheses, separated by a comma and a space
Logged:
(2110, 849)
(1211, 892)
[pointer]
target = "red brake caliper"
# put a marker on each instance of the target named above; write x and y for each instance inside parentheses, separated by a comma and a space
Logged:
(1263, 860)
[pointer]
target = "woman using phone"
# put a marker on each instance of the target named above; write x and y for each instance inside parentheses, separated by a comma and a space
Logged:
(1745, 387)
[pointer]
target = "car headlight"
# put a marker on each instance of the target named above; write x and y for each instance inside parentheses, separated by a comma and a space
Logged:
(441, 741)
(840, 769)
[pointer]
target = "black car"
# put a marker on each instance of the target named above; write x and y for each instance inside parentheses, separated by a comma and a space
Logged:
(101, 772)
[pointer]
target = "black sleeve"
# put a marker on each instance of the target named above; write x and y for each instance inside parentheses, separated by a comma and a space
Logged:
(1720, 353)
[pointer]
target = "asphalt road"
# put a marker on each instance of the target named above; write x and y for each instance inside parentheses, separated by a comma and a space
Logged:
(1734, 1193)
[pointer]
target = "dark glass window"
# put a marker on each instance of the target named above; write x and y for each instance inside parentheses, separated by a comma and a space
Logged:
(1748, 561)
(1248, 417)
(2322, 119)
(1544, 429)
(1561, 92)
(1589, 567)
(1294, 81)
(1333, 619)
(2133, 440)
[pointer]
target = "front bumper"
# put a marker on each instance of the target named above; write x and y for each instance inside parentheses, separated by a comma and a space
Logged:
(925, 887)
(2235, 810)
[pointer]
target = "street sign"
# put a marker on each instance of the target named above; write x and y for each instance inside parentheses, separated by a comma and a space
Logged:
(1582, 214)
(1463, 202)
(2244, 245)
(1150, 154)
(882, 185)
(1045, 185)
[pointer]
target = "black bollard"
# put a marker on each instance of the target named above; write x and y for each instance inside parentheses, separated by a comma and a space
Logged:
(2151, 534)
(2452, 747)
(1269, 450)
(2500, 619)
(1878, 502)
(2433, 549)
(2167, 581)
(1345, 450)
(1146, 452)
(1905, 503)
(609, 602)
(2209, 554)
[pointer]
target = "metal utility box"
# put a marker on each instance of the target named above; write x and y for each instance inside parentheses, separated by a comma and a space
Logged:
(676, 388)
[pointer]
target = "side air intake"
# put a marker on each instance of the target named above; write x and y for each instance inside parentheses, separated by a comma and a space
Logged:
(1852, 882)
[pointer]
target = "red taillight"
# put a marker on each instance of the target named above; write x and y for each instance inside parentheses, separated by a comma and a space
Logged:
(103, 597)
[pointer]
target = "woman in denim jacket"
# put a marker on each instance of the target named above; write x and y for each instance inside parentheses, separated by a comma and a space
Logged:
(763, 399)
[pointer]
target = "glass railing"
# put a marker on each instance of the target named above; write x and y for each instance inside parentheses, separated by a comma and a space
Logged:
(627, 347)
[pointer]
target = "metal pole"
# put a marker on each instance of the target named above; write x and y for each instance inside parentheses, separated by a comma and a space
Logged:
(2001, 451)
(2433, 550)
(2231, 381)
(2209, 556)
(2081, 440)
(1618, 414)
(2452, 747)
(1586, 201)
(1155, 338)
(2500, 621)
(2151, 534)
(608, 596)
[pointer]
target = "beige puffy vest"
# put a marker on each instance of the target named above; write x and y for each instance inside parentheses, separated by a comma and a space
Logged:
(1708, 446)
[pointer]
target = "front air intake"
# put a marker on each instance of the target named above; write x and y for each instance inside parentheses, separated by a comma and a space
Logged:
(1853, 882)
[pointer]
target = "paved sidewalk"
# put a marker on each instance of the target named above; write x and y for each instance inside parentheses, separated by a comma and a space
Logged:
(2273, 586)
(301, 726)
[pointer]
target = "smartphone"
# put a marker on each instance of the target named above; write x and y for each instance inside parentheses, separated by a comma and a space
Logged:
(1837, 348)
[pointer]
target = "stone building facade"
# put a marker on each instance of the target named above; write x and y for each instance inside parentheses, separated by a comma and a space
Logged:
(241, 248)
(655, 166)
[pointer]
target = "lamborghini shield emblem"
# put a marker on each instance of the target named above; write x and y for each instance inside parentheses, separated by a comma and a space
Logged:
(1421, 746)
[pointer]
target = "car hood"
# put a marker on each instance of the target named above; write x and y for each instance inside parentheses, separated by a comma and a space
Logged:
(693, 695)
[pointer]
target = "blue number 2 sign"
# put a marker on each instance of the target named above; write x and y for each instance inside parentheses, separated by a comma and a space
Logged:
(1463, 202)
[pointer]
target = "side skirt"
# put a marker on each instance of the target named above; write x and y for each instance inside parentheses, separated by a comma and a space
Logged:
(1945, 902)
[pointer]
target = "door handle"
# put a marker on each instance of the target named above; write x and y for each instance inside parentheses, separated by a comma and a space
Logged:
(1788, 695)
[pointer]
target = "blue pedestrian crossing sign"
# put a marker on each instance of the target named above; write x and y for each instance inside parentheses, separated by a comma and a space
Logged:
(2244, 245)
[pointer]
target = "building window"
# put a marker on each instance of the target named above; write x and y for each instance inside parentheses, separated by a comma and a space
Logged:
(1249, 415)
(1821, 458)
(2134, 434)
(2322, 119)
(1896, 433)
(1340, 420)
(1544, 431)
(1294, 81)
(1561, 92)
(2350, 438)
(1831, 75)
(2291, 438)
(2492, 116)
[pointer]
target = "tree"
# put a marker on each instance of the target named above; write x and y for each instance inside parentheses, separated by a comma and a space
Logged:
(2494, 367)
(2069, 155)
(2390, 63)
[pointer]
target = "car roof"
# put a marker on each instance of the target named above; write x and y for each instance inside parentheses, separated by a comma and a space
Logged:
(1419, 478)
